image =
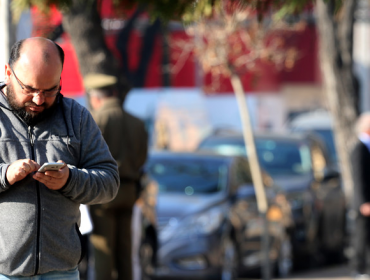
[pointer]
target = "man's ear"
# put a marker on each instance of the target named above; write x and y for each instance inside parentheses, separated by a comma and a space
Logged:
(8, 73)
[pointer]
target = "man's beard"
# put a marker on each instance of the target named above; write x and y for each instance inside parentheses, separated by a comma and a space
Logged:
(30, 118)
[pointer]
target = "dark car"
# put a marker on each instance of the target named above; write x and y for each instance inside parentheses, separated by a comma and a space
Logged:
(301, 166)
(208, 221)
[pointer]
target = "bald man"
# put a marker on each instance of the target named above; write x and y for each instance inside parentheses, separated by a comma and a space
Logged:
(360, 159)
(39, 211)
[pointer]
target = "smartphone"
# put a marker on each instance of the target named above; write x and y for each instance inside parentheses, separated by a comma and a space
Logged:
(53, 166)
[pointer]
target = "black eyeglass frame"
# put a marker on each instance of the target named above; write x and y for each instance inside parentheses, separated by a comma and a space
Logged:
(35, 91)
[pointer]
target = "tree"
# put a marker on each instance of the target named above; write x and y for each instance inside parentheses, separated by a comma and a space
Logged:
(83, 24)
(231, 40)
(341, 86)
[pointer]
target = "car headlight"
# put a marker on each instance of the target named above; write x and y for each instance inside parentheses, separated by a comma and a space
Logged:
(204, 223)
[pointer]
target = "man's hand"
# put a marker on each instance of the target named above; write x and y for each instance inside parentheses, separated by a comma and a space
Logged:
(365, 209)
(53, 180)
(19, 169)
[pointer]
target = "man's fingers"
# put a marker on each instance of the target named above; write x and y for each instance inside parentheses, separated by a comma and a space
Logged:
(53, 174)
(29, 166)
(24, 169)
(53, 180)
(19, 169)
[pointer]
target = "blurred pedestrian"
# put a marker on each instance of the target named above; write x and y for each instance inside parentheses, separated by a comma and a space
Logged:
(39, 212)
(360, 159)
(127, 140)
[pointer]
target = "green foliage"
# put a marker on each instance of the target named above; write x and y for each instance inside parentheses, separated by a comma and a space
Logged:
(193, 10)
(187, 10)
(184, 10)
(18, 6)
(291, 7)
(167, 9)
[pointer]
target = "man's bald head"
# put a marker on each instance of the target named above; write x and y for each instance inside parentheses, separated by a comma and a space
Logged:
(47, 50)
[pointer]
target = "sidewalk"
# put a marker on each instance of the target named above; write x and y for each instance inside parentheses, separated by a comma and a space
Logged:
(340, 272)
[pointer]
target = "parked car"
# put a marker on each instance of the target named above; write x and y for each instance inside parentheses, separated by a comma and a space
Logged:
(301, 166)
(208, 221)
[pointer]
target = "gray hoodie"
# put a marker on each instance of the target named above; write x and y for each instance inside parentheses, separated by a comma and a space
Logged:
(38, 226)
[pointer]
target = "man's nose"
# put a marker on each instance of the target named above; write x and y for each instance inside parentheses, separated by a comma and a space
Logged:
(38, 98)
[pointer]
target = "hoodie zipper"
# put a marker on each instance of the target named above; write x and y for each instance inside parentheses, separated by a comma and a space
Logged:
(30, 128)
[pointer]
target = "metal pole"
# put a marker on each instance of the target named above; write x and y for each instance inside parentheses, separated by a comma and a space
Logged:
(361, 56)
(7, 29)
(4, 31)
(255, 170)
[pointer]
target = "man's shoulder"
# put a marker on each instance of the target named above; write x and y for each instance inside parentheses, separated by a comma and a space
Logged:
(73, 105)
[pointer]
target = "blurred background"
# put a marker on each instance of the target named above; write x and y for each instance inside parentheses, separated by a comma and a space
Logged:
(302, 68)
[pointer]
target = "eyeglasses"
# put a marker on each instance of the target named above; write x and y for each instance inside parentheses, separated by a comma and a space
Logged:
(32, 91)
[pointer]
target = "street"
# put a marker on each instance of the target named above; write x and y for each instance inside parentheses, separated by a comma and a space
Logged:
(324, 273)
(331, 272)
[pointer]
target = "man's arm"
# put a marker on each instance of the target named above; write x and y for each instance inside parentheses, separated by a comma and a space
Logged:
(17, 171)
(96, 180)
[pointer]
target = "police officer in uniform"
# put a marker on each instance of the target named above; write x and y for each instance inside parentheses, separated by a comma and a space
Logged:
(127, 140)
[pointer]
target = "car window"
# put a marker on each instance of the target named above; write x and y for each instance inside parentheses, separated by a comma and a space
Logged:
(224, 146)
(278, 157)
(284, 157)
(188, 176)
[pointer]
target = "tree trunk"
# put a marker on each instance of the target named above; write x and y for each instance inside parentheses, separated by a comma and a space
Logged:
(83, 24)
(166, 56)
(146, 52)
(123, 40)
(8, 29)
(255, 170)
(137, 76)
(336, 41)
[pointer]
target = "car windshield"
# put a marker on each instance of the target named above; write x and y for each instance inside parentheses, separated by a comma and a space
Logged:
(277, 157)
(188, 176)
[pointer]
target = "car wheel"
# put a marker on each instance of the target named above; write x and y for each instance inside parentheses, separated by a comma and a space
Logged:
(284, 262)
(229, 260)
(146, 260)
